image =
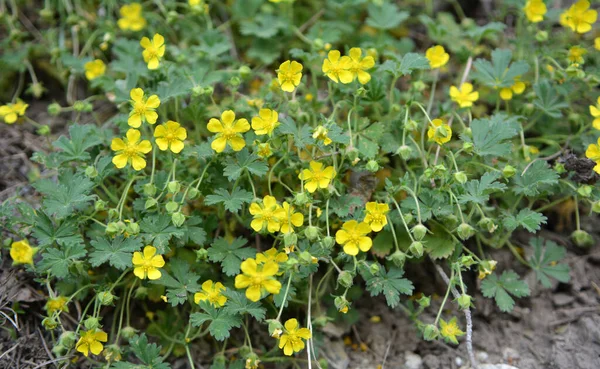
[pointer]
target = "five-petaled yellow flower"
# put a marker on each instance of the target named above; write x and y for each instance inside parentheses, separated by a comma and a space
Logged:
(146, 265)
(266, 122)
(353, 236)
(359, 65)
(130, 150)
(375, 215)
(337, 67)
(439, 132)
(257, 279)
(170, 135)
(91, 341)
(272, 256)
(290, 219)
(22, 253)
(535, 10)
(437, 56)
(449, 330)
(316, 176)
(55, 304)
(153, 50)
(595, 112)
(593, 153)
(321, 134)
(291, 339)
(11, 112)
(131, 17)
(211, 292)
(506, 93)
(464, 97)
(576, 54)
(579, 17)
(228, 131)
(94, 69)
(142, 109)
(289, 75)
(269, 215)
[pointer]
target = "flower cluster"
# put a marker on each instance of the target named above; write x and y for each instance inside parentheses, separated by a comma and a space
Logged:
(274, 217)
(346, 69)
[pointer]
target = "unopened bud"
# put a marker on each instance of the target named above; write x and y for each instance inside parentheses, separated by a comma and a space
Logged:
(582, 239)
(465, 231)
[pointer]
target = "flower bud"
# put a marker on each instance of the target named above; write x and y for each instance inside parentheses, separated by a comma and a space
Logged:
(105, 298)
(541, 36)
(374, 268)
(419, 231)
(59, 350)
(341, 304)
(352, 154)
(201, 254)
(112, 353)
(47, 15)
(559, 168)
(192, 193)
(487, 224)
(416, 249)
(290, 239)
(54, 109)
(172, 206)
(318, 43)
(174, 186)
(328, 242)
(398, 258)
(411, 125)
(244, 71)
(91, 323)
(465, 231)
(50, 323)
(372, 166)
(197, 91)
(585, 190)
(150, 203)
(149, 189)
(466, 261)
(67, 339)
(99, 205)
(424, 301)
(235, 81)
(460, 177)
(508, 171)
(596, 207)
(345, 279)
(112, 228)
(405, 152)
(464, 301)
(450, 221)
(178, 219)
(141, 292)
(37, 90)
(408, 218)
(312, 233)
(486, 267)
(301, 199)
(252, 361)
(128, 332)
(419, 85)
(468, 147)
(275, 328)
(582, 239)
(132, 228)
(91, 172)
(430, 332)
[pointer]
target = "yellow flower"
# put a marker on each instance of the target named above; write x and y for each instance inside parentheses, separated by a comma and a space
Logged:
(316, 176)
(535, 10)
(94, 69)
(359, 66)
(290, 219)
(22, 253)
(11, 112)
(170, 134)
(291, 339)
(153, 50)
(337, 68)
(266, 122)
(255, 102)
(257, 279)
(344, 309)
(593, 153)
(56, 304)
(486, 267)
(449, 330)
(271, 256)
(289, 75)
(437, 56)
(376, 215)
(131, 150)
(597, 43)
(517, 88)
(579, 17)
(595, 112)
(131, 17)
(146, 265)
(143, 109)
(576, 54)
(439, 132)
(269, 215)
(320, 134)
(228, 131)
(263, 150)
(213, 292)
(91, 341)
(353, 236)
(464, 97)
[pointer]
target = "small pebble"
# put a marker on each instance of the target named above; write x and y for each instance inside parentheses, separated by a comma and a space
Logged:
(482, 356)
(458, 361)
(412, 361)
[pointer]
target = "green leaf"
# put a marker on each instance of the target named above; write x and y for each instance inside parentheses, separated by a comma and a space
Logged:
(230, 254)
(69, 194)
(117, 251)
(545, 260)
(344, 205)
(548, 101)
(231, 201)
(411, 62)
(500, 72)
(261, 26)
(244, 161)
(238, 304)
(502, 288)
(390, 283)
(430, 202)
(182, 283)
(478, 191)
(221, 322)
(537, 177)
(302, 135)
(278, 299)
(490, 135)
(148, 353)
(526, 218)
(439, 247)
(58, 261)
(47, 233)
(385, 16)
(83, 137)
(197, 235)
(157, 230)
